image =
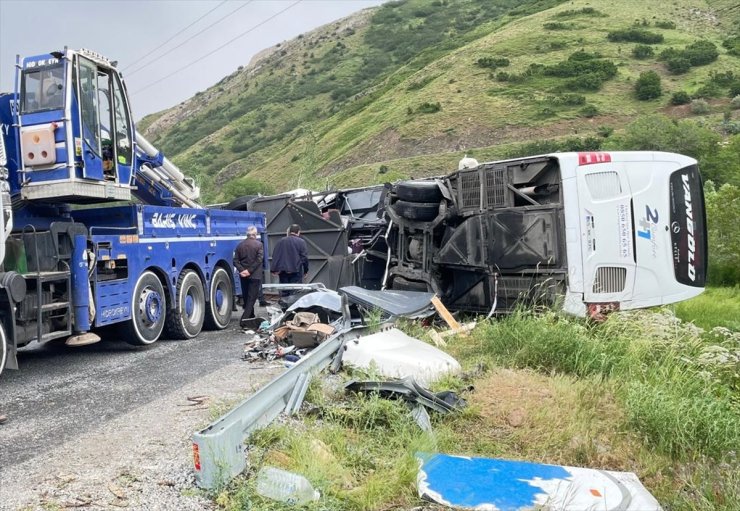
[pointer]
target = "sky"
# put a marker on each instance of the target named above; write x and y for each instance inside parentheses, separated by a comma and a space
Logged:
(131, 31)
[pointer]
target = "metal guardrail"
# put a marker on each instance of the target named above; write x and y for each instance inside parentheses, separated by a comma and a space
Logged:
(218, 450)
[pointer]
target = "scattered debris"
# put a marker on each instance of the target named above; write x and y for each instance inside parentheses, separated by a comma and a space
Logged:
(397, 355)
(409, 390)
(462, 482)
(195, 400)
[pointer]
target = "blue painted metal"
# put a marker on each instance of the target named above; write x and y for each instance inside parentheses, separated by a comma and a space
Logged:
(80, 284)
(463, 482)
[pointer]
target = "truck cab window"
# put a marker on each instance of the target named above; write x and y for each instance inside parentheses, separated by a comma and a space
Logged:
(42, 89)
(88, 88)
(122, 124)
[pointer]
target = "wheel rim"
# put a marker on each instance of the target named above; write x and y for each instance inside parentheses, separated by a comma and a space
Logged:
(193, 304)
(220, 303)
(150, 307)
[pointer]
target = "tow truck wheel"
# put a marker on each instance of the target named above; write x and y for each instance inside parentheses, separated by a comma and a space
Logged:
(149, 307)
(221, 300)
(185, 321)
(3, 349)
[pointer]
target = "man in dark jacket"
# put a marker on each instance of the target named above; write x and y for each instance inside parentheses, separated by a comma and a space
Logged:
(290, 257)
(248, 258)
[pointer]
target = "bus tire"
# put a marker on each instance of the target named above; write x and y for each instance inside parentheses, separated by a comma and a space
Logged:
(185, 320)
(148, 311)
(221, 300)
(419, 191)
(419, 211)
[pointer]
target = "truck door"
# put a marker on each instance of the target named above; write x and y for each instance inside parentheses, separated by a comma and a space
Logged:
(91, 146)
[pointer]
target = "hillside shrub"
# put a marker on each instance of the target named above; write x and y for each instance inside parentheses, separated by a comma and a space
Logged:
(661, 133)
(428, 108)
(383, 169)
(556, 25)
(734, 89)
(590, 82)
(723, 217)
(642, 51)
(732, 45)
(735, 103)
(723, 78)
(678, 65)
(707, 91)
(701, 53)
(585, 11)
(604, 131)
(680, 98)
(492, 62)
(647, 86)
(634, 35)
(668, 25)
(502, 76)
(699, 107)
(568, 99)
(589, 111)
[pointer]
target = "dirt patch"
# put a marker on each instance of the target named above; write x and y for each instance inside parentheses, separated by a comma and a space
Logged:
(552, 419)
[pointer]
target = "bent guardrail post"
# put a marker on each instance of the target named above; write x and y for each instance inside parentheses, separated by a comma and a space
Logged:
(218, 450)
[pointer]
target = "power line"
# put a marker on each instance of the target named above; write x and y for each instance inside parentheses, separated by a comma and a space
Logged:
(216, 49)
(190, 38)
(171, 38)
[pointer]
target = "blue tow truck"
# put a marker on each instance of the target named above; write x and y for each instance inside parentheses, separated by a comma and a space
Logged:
(98, 227)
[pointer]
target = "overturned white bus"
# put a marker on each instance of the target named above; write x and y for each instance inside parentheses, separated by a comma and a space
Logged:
(586, 231)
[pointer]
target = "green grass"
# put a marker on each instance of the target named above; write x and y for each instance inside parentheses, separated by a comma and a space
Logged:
(717, 306)
(643, 392)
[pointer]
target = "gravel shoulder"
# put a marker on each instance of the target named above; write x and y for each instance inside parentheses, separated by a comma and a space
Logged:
(117, 435)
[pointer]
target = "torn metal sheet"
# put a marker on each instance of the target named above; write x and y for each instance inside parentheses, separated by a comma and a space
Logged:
(326, 299)
(410, 304)
(396, 355)
(410, 391)
(503, 485)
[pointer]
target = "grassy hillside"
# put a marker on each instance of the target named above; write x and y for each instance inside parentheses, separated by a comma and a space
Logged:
(409, 87)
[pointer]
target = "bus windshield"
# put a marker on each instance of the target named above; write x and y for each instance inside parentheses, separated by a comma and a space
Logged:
(688, 229)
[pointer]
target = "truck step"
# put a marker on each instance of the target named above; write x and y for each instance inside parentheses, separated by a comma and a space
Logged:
(47, 276)
(54, 306)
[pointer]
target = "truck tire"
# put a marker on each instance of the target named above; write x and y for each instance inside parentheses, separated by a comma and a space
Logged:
(419, 211)
(185, 320)
(221, 300)
(3, 349)
(148, 311)
(419, 191)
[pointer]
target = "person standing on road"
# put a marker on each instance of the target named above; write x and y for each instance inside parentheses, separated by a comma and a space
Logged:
(248, 258)
(290, 257)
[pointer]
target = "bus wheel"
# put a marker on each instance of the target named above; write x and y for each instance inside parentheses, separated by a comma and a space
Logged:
(185, 321)
(149, 307)
(221, 300)
(3, 349)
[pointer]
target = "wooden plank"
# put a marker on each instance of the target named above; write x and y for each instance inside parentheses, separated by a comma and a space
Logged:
(445, 314)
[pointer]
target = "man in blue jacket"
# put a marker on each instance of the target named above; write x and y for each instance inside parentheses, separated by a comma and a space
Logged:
(290, 257)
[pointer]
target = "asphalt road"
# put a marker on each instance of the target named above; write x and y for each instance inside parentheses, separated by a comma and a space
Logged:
(62, 392)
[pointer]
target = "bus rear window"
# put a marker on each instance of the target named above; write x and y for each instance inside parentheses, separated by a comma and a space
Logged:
(688, 227)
